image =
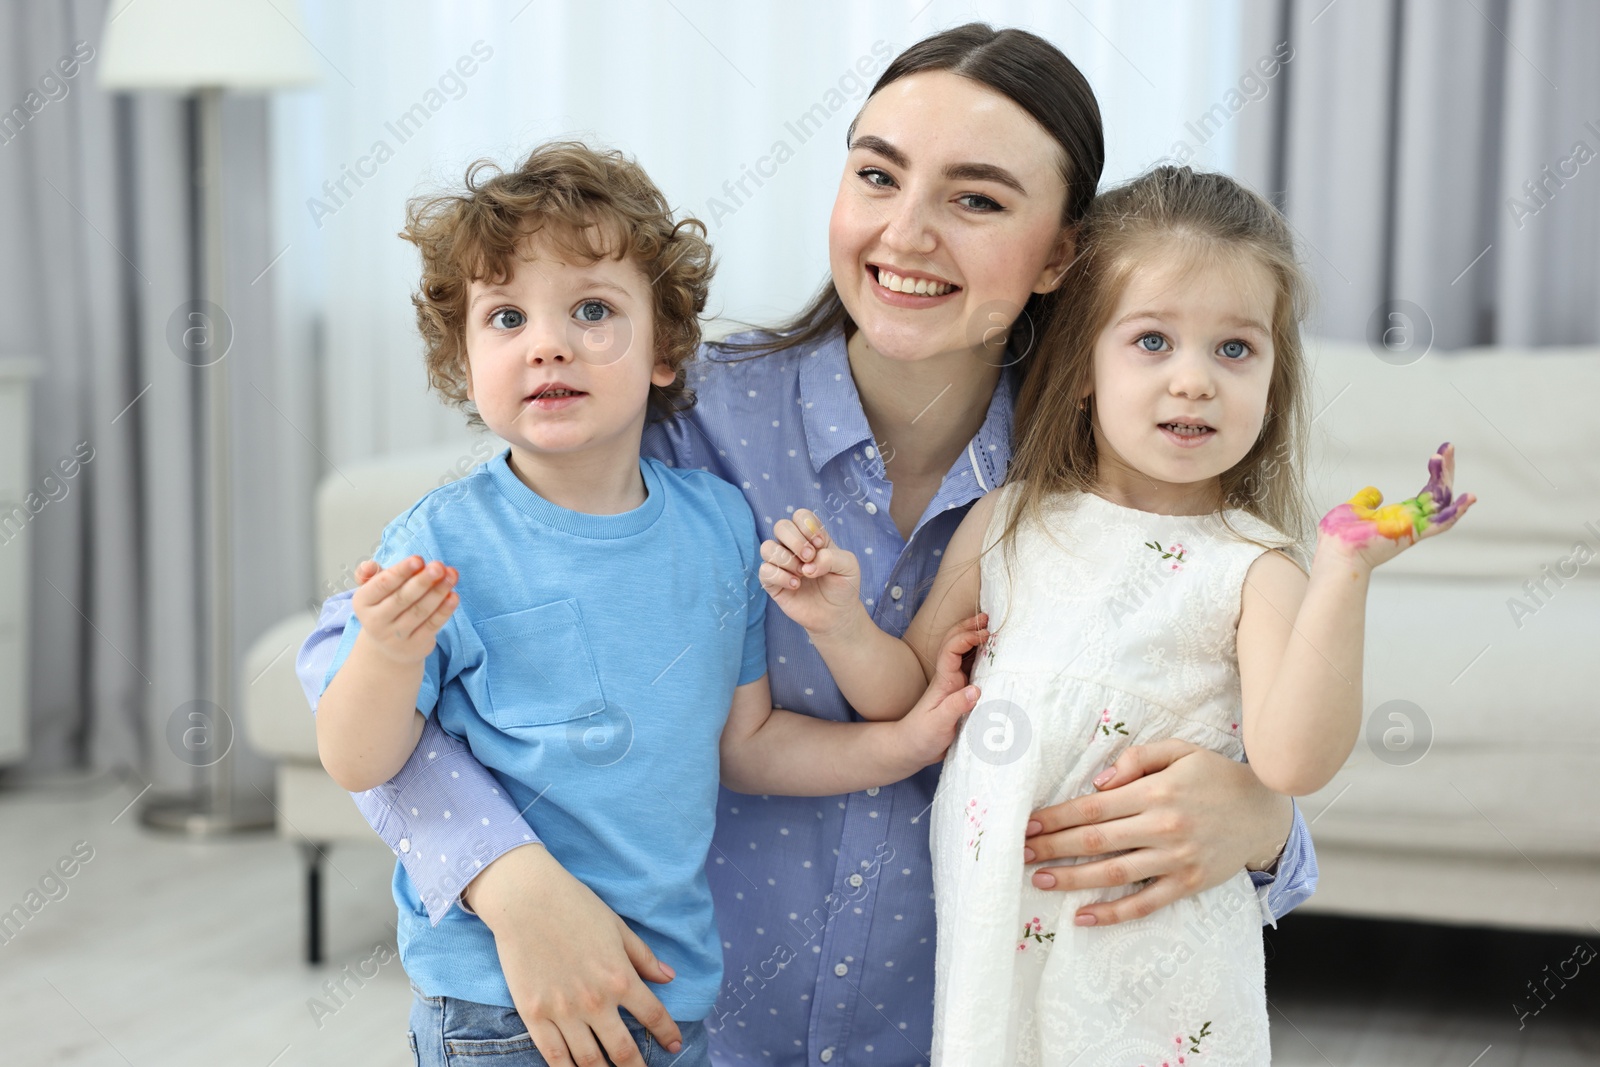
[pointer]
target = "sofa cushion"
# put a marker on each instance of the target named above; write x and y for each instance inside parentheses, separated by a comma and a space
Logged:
(312, 807)
(1503, 739)
(277, 719)
(354, 505)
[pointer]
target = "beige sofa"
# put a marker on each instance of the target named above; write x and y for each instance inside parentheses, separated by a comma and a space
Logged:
(1496, 820)
(1476, 800)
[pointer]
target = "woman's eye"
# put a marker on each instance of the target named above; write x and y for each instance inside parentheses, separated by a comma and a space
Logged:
(978, 202)
(1234, 349)
(871, 175)
(506, 318)
(1152, 342)
(592, 311)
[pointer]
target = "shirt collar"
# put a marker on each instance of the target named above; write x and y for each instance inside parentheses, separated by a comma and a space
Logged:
(990, 449)
(830, 406)
(835, 421)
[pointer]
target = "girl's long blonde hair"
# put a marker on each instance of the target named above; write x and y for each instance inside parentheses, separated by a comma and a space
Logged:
(1167, 214)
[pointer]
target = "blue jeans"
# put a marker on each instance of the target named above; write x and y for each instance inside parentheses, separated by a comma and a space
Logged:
(446, 1032)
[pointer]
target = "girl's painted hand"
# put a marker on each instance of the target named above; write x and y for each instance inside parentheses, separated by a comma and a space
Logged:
(814, 581)
(403, 607)
(1362, 530)
(930, 727)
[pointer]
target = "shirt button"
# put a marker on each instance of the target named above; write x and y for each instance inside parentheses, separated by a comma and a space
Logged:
(405, 844)
(870, 451)
(896, 592)
(872, 509)
(872, 792)
(840, 969)
(855, 880)
(826, 1054)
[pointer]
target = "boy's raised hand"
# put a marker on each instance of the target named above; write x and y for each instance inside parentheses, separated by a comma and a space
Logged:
(931, 725)
(403, 607)
(814, 581)
(1372, 534)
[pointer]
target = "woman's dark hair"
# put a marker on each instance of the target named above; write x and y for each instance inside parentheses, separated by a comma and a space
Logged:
(1037, 77)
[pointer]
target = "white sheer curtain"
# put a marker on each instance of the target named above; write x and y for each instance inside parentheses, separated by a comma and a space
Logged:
(97, 263)
(698, 90)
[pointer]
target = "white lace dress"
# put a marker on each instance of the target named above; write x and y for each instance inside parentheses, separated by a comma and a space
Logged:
(1119, 631)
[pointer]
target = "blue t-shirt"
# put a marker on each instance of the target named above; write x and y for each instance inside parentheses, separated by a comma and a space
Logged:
(590, 666)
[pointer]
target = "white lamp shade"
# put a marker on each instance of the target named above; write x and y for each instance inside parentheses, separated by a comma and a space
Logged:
(200, 44)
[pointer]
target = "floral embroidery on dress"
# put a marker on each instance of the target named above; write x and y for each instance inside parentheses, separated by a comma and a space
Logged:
(1192, 1040)
(1086, 600)
(989, 648)
(1107, 727)
(1035, 931)
(1195, 1039)
(975, 816)
(1174, 552)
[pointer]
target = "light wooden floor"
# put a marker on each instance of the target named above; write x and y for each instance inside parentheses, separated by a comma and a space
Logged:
(166, 952)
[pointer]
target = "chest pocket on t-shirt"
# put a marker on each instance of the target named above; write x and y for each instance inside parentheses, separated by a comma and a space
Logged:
(539, 667)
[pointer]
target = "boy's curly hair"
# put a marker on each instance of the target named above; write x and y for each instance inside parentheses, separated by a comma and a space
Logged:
(593, 204)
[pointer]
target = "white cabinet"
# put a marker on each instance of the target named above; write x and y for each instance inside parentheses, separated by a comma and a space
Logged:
(16, 379)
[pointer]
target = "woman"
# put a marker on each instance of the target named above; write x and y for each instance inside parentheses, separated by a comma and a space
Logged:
(886, 408)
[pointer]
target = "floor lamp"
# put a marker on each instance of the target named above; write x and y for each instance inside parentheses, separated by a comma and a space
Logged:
(209, 47)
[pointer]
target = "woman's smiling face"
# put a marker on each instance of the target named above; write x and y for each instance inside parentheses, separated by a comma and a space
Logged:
(955, 193)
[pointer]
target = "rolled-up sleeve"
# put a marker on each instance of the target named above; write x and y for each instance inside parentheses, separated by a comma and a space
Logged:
(1295, 878)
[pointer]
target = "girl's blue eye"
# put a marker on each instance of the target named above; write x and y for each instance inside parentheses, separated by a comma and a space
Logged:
(979, 202)
(871, 174)
(1152, 342)
(592, 311)
(506, 318)
(1234, 349)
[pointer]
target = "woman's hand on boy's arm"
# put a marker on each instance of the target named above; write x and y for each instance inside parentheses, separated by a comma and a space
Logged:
(569, 961)
(1186, 818)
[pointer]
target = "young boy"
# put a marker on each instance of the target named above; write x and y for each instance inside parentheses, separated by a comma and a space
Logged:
(558, 608)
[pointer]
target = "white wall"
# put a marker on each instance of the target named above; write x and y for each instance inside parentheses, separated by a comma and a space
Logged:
(697, 90)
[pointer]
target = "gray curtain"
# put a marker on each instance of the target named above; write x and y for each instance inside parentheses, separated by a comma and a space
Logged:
(1439, 160)
(97, 217)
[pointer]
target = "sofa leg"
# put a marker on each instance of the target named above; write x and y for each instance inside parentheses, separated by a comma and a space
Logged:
(313, 855)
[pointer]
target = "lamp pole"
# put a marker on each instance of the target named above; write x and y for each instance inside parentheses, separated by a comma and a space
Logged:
(206, 47)
(212, 809)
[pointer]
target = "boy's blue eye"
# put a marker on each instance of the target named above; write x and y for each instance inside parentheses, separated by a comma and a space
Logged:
(506, 318)
(1152, 342)
(1234, 349)
(592, 311)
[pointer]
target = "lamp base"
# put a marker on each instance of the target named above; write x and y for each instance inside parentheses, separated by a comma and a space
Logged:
(196, 817)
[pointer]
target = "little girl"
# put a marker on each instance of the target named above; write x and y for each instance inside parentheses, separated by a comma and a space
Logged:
(1143, 592)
